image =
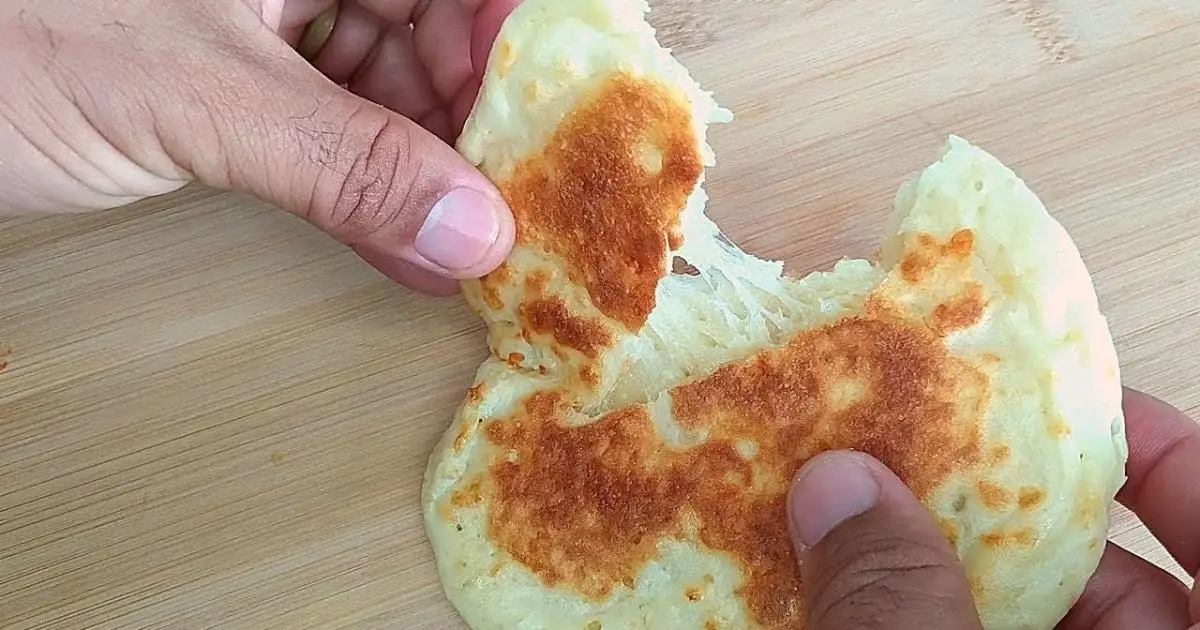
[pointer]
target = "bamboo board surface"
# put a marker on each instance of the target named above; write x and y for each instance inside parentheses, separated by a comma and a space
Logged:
(212, 416)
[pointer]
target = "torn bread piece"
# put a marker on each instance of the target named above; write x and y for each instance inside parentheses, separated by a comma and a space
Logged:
(623, 457)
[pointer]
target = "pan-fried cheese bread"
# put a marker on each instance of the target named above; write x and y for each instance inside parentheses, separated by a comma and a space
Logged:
(623, 456)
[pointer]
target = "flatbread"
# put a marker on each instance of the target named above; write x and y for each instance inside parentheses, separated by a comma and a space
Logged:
(623, 456)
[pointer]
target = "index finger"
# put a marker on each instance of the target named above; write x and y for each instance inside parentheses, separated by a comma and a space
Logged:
(1163, 486)
(453, 41)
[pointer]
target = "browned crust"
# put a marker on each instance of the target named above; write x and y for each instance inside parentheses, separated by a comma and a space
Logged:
(1030, 497)
(550, 316)
(992, 495)
(588, 199)
(960, 312)
(927, 254)
(471, 495)
(490, 286)
(585, 507)
(1016, 538)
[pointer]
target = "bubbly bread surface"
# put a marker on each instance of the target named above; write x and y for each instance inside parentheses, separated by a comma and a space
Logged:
(623, 456)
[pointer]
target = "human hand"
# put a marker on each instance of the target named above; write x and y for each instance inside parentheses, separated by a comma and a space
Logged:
(872, 557)
(106, 102)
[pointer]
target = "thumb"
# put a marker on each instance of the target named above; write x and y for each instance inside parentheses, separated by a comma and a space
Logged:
(367, 176)
(870, 553)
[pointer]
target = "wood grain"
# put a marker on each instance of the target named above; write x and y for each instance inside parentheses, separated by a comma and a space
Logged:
(212, 416)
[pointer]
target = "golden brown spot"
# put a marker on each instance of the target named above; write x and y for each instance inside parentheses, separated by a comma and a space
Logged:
(492, 284)
(536, 282)
(594, 625)
(551, 316)
(962, 243)
(589, 376)
(711, 624)
(1088, 509)
(496, 569)
(1030, 497)
(694, 594)
(675, 240)
(585, 506)
(960, 312)
(999, 454)
(915, 265)
(464, 434)
(515, 359)
(1058, 427)
(1019, 538)
(588, 186)
(927, 253)
(949, 530)
(508, 57)
(990, 358)
(992, 496)
(475, 393)
(491, 296)
(468, 496)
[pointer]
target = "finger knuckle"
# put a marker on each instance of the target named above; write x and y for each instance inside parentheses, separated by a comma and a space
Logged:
(871, 579)
(375, 180)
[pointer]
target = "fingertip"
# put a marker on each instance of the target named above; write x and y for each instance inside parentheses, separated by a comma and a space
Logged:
(828, 490)
(489, 18)
(890, 490)
(466, 234)
(863, 547)
(501, 248)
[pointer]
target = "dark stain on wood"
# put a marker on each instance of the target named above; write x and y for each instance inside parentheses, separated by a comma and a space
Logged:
(1047, 28)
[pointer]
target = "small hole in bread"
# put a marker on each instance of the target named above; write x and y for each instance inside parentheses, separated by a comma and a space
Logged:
(681, 267)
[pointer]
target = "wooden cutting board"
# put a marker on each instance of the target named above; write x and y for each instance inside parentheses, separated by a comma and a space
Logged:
(213, 416)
